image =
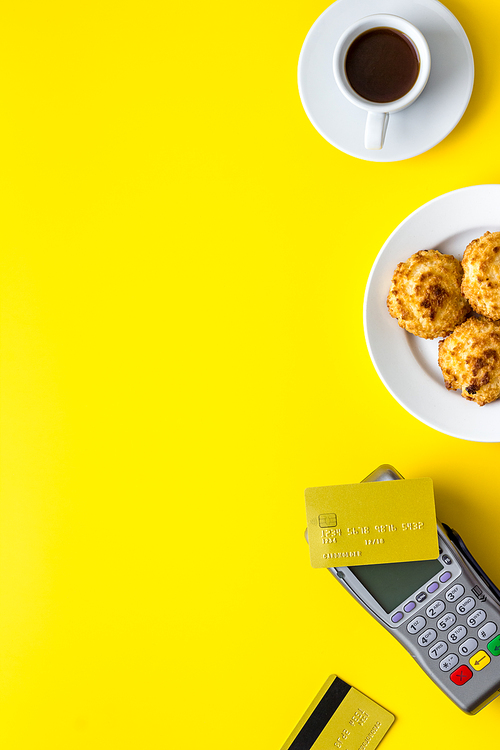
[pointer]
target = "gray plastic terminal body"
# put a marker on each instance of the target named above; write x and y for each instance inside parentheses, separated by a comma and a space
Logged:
(484, 685)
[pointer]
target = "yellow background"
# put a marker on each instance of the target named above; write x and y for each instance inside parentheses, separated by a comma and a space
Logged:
(183, 267)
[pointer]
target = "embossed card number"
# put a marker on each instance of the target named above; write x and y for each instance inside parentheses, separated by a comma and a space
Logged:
(372, 522)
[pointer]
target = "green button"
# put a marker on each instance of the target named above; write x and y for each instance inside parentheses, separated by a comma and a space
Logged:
(494, 646)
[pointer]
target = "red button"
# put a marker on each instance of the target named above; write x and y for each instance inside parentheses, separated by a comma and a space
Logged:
(461, 675)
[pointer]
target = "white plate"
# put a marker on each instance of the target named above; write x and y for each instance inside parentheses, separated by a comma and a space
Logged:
(418, 128)
(406, 364)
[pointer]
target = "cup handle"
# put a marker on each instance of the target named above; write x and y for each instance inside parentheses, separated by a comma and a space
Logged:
(376, 126)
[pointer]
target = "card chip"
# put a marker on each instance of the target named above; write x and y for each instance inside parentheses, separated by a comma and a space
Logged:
(327, 519)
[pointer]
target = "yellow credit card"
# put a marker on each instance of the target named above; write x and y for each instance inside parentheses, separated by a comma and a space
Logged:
(340, 717)
(371, 522)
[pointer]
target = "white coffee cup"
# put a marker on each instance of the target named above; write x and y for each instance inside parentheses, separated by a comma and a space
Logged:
(378, 113)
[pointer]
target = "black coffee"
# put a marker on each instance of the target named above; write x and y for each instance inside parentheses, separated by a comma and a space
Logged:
(382, 65)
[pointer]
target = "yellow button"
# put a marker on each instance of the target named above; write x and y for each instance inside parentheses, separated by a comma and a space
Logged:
(479, 660)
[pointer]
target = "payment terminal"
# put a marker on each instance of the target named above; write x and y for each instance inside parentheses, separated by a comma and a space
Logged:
(445, 612)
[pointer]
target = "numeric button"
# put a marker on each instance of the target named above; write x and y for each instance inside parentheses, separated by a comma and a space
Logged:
(455, 592)
(416, 625)
(439, 649)
(435, 609)
(447, 621)
(426, 638)
(457, 634)
(468, 646)
(476, 618)
(465, 605)
(488, 629)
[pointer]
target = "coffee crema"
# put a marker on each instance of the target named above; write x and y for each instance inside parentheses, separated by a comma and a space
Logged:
(382, 65)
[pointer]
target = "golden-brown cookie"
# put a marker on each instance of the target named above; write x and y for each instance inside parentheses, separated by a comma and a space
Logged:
(481, 282)
(470, 360)
(425, 295)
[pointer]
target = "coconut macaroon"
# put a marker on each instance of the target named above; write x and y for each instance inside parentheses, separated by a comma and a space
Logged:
(425, 295)
(481, 282)
(470, 360)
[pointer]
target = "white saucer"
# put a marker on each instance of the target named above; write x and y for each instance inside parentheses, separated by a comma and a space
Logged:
(426, 122)
(408, 365)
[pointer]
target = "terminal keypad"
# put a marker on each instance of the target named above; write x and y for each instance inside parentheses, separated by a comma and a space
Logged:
(462, 638)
